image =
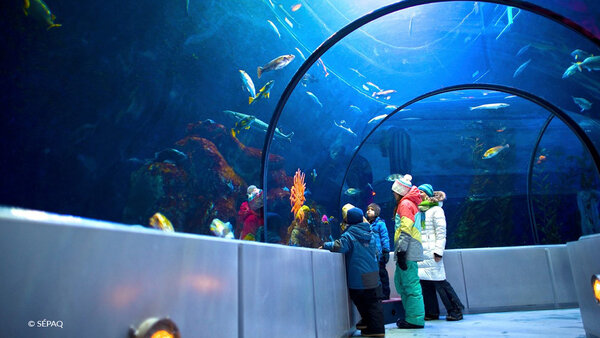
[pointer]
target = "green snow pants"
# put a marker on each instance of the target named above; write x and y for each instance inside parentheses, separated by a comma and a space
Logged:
(409, 288)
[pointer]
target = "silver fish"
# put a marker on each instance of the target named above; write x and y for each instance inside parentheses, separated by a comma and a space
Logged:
(276, 64)
(377, 118)
(274, 28)
(572, 70)
(315, 98)
(491, 106)
(248, 84)
(582, 103)
(259, 124)
(521, 68)
(591, 63)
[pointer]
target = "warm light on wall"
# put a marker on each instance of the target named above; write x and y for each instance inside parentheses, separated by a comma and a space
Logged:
(155, 328)
(596, 287)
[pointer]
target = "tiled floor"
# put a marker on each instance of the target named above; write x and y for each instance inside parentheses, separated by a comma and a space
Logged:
(545, 323)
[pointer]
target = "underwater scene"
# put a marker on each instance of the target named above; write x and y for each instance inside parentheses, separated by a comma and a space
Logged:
(158, 114)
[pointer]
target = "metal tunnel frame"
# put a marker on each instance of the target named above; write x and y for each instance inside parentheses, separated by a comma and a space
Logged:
(383, 11)
(555, 112)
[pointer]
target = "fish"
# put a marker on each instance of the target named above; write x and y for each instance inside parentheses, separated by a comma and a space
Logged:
(286, 189)
(501, 129)
(248, 84)
(187, 7)
(221, 229)
(301, 55)
(394, 177)
(541, 159)
(357, 72)
(324, 219)
(523, 49)
(582, 103)
(591, 63)
(259, 124)
(356, 109)
(308, 78)
(579, 54)
(490, 106)
(39, 11)
(494, 151)
(347, 129)
(244, 123)
(170, 155)
(372, 85)
(313, 174)
(275, 64)
(296, 7)
(288, 22)
(377, 118)
(572, 70)
(274, 28)
(352, 192)
(314, 98)
(160, 222)
(383, 93)
(265, 92)
(521, 68)
(324, 68)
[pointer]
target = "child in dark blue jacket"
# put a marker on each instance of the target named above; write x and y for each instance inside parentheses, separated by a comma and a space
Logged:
(383, 245)
(362, 269)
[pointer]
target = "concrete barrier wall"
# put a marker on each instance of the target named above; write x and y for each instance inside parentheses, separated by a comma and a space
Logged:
(100, 278)
(585, 254)
(508, 278)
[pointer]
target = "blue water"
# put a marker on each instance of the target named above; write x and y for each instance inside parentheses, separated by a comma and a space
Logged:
(88, 105)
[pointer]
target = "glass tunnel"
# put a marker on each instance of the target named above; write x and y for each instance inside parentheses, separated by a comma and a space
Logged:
(168, 121)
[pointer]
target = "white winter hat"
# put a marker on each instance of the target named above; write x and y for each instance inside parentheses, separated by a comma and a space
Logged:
(403, 185)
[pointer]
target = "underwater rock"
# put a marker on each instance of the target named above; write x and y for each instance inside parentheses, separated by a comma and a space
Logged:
(211, 172)
(244, 160)
(158, 186)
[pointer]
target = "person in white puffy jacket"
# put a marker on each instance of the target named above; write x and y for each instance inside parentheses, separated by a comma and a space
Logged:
(431, 270)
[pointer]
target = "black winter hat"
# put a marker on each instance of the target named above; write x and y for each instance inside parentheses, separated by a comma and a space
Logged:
(354, 216)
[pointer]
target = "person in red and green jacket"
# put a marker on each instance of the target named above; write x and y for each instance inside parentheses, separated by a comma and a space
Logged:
(408, 251)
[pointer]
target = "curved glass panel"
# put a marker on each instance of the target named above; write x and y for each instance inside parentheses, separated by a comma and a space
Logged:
(565, 188)
(118, 115)
(459, 144)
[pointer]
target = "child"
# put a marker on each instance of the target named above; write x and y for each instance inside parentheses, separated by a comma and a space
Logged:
(383, 245)
(431, 270)
(358, 244)
(409, 250)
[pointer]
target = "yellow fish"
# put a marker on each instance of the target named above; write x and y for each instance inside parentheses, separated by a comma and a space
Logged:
(40, 11)
(160, 222)
(494, 151)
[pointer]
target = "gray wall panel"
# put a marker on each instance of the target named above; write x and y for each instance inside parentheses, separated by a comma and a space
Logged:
(331, 294)
(507, 277)
(277, 291)
(560, 266)
(101, 280)
(584, 255)
(454, 276)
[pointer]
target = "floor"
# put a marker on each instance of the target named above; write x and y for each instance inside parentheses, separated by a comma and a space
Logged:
(543, 323)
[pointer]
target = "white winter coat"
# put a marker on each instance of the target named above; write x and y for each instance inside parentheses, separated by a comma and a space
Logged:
(433, 237)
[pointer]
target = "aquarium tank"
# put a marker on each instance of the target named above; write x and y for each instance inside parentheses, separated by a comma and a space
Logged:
(259, 119)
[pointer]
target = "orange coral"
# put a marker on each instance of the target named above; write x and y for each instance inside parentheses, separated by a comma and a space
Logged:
(297, 193)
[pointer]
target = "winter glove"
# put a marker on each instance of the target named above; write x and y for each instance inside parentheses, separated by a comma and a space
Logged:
(385, 257)
(401, 260)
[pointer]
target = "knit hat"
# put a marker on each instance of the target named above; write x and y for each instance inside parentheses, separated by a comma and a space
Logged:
(402, 186)
(427, 188)
(345, 209)
(354, 216)
(376, 208)
(255, 198)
